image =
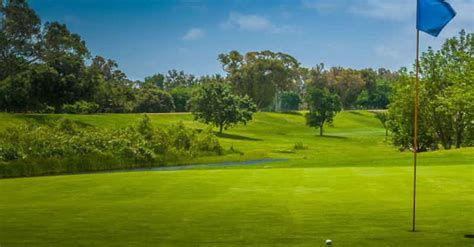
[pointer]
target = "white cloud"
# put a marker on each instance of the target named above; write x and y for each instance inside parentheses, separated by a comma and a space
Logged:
(194, 34)
(247, 22)
(255, 23)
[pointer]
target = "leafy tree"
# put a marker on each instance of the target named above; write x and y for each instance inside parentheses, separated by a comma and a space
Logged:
(323, 106)
(176, 78)
(290, 101)
(181, 96)
(446, 97)
(260, 75)
(156, 79)
(382, 116)
(347, 83)
(108, 69)
(401, 115)
(215, 104)
(210, 79)
(19, 29)
(152, 99)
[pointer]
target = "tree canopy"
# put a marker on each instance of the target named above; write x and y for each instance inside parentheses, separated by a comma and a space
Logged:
(214, 103)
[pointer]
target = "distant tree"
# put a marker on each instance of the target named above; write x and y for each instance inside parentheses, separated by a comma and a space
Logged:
(156, 79)
(210, 79)
(181, 97)
(152, 99)
(176, 78)
(215, 104)
(347, 83)
(323, 106)
(108, 68)
(260, 75)
(290, 101)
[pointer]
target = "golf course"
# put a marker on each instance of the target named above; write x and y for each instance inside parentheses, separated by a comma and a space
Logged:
(351, 186)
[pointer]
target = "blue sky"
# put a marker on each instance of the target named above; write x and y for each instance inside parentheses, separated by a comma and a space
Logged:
(151, 36)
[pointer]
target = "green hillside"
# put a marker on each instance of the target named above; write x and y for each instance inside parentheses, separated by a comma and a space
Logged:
(351, 186)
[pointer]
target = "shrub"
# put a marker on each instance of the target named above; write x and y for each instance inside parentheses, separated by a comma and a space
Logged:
(67, 148)
(80, 107)
(299, 146)
(47, 109)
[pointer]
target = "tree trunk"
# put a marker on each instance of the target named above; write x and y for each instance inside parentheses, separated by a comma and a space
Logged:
(220, 128)
(321, 130)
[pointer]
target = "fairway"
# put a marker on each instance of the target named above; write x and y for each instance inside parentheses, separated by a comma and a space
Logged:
(351, 186)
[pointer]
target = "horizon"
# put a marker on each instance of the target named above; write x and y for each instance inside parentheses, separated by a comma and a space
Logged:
(147, 37)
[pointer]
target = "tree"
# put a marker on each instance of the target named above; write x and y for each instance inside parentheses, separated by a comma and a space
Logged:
(152, 99)
(260, 75)
(156, 79)
(215, 104)
(347, 83)
(19, 30)
(181, 96)
(382, 116)
(176, 78)
(290, 101)
(446, 96)
(323, 107)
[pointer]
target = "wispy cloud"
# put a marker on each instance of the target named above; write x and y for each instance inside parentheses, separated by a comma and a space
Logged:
(255, 23)
(400, 10)
(247, 22)
(194, 34)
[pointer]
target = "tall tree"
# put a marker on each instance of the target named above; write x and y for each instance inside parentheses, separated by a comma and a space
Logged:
(19, 30)
(260, 75)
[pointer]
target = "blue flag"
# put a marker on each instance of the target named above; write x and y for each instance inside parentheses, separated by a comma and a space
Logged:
(433, 15)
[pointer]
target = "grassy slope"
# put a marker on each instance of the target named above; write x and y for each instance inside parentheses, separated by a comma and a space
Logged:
(358, 195)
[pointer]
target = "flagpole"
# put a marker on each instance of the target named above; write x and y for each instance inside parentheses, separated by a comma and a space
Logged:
(415, 123)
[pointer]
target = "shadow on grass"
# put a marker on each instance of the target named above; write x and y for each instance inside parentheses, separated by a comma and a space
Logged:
(236, 137)
(355, 113)
(332, 137)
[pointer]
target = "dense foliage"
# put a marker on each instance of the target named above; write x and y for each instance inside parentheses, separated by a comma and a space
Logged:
(446, 98)
(323, 107)
(67, 148)
(214, 103)
(260, 75)
(290, 101)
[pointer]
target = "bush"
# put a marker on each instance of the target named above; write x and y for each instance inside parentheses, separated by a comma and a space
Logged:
(47, 109)
(80, 107)
(66, 148)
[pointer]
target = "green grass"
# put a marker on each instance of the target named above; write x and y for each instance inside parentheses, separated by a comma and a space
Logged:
(351, 186)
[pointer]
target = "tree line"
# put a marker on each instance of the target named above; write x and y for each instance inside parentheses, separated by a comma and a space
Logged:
(47, 69)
